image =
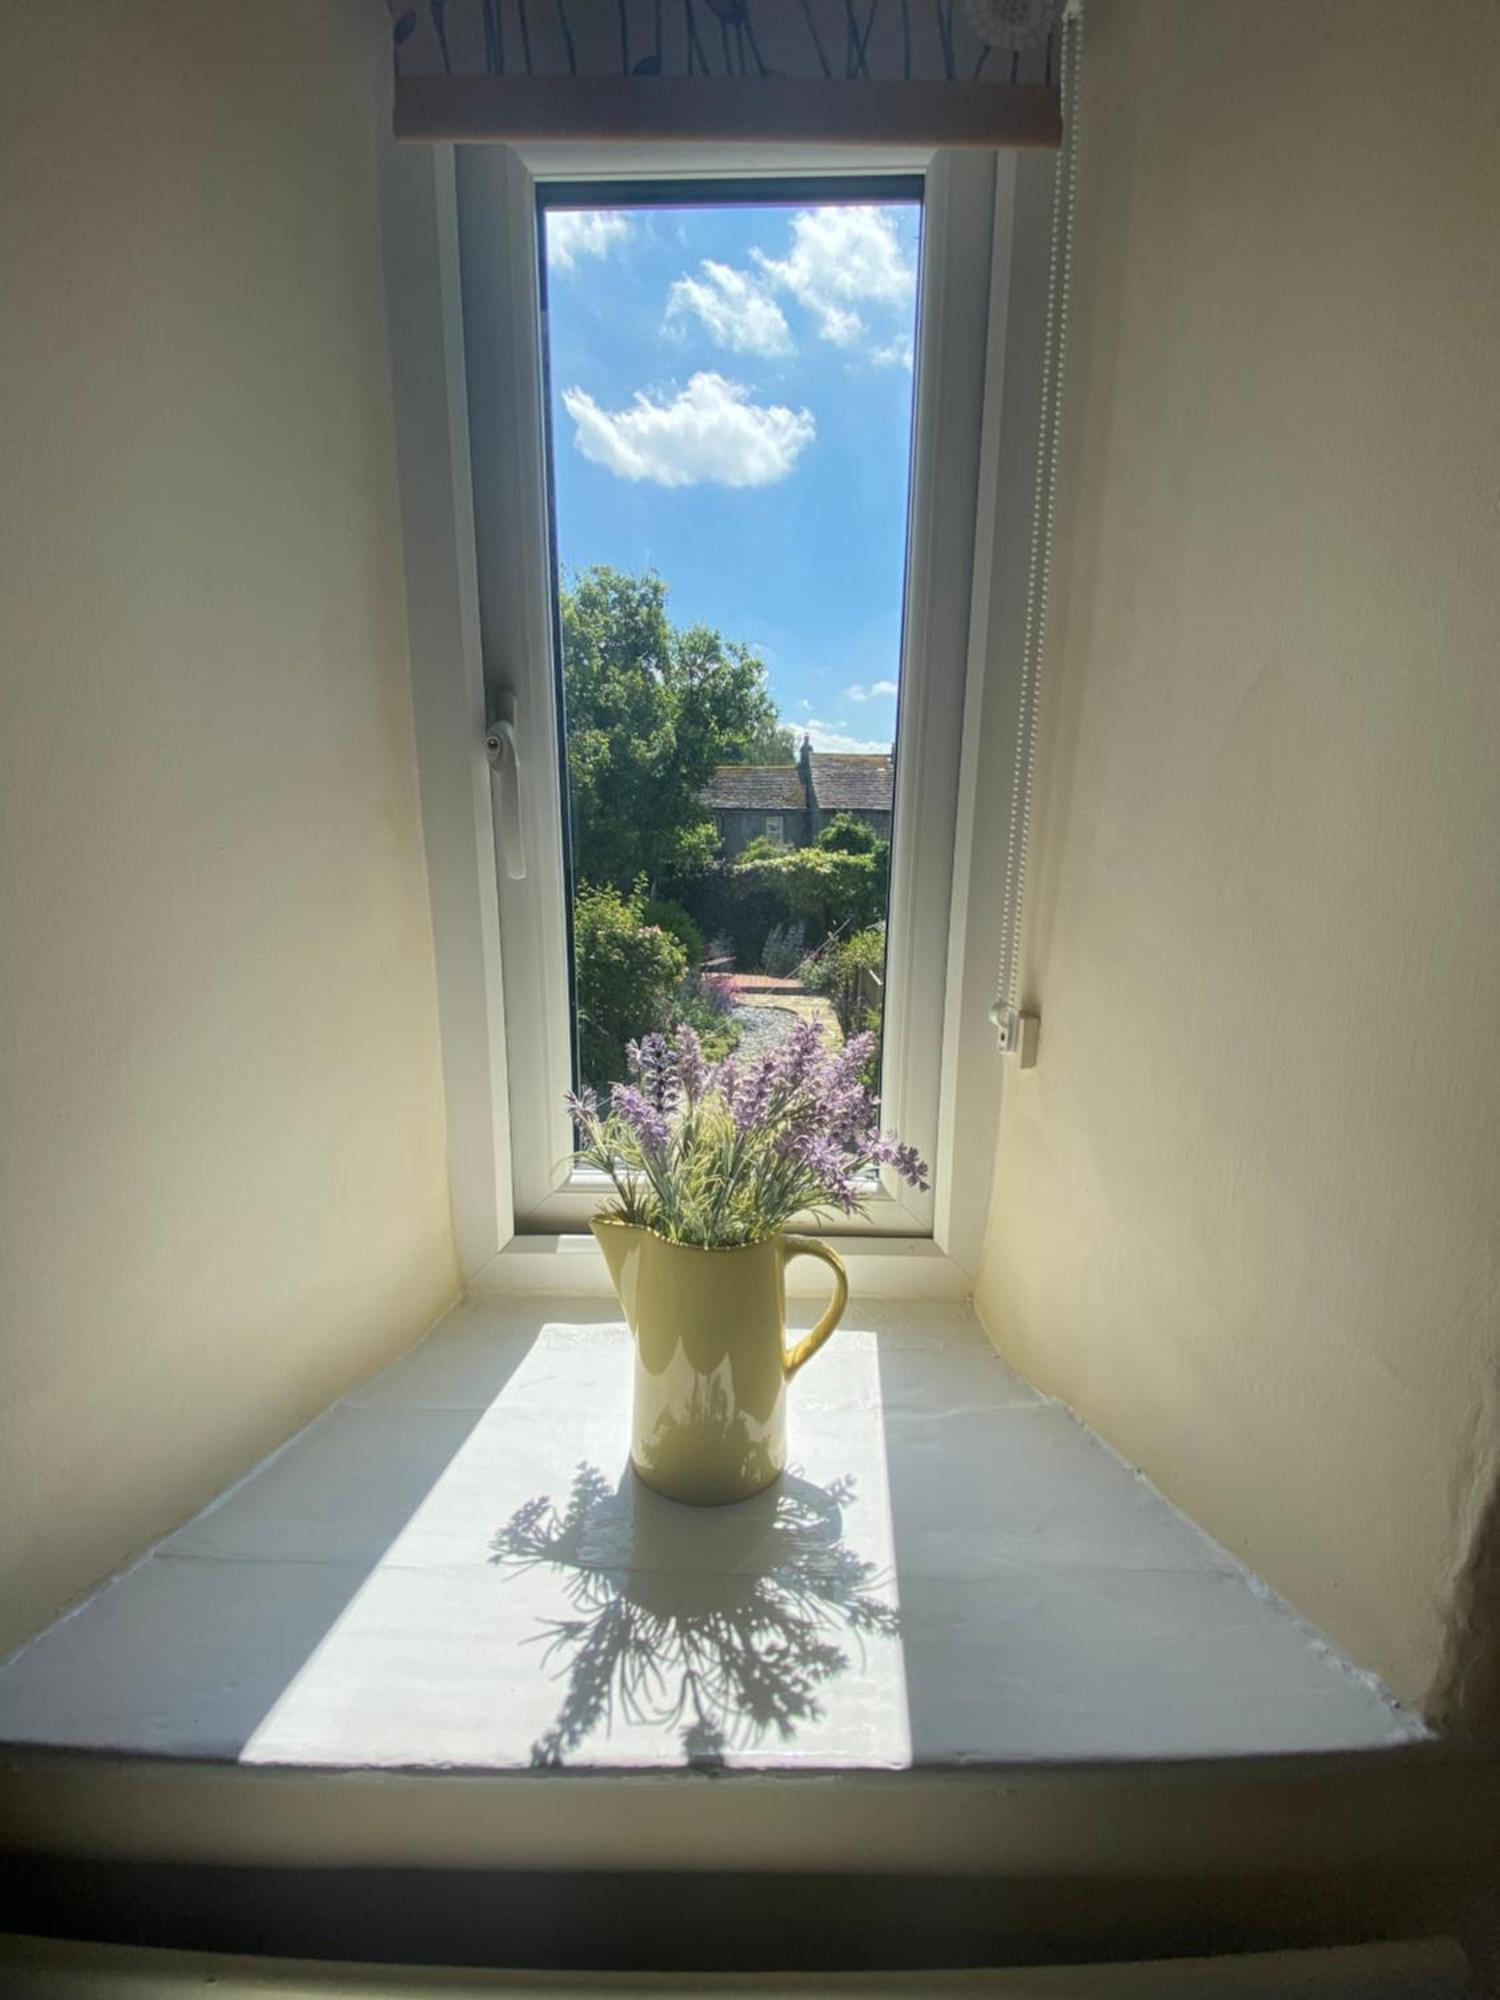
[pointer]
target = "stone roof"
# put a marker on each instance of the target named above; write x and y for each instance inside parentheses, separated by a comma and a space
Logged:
(755, 788)
(839, 784)
(853, 784)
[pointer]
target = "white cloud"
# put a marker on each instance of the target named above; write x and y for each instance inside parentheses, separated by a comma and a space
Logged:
(828, 736)
(876, 691)
(737, 310)
(842, 259)
(583, 232)
(897, 353)
(709, 431)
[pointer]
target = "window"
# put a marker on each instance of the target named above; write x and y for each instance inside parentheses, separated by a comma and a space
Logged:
(522, 529)
(729, 400)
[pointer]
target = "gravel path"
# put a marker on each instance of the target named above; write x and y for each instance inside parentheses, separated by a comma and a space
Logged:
(762, 1028)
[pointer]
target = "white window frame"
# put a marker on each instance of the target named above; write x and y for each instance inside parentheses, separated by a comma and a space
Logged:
(776, 826)
(466, 356)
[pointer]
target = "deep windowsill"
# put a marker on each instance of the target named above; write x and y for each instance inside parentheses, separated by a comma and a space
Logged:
(455, 1570)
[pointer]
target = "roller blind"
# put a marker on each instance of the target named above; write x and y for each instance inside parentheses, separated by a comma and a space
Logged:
(861, 72)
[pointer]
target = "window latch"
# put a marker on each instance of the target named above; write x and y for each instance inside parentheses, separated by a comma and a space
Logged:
(504, 760)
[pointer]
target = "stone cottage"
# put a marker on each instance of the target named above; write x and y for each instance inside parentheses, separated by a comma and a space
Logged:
(792, 803)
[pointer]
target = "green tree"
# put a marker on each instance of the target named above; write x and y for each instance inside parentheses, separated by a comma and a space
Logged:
(773, 742)
(844, 834)
(725, 711)
(649, 711)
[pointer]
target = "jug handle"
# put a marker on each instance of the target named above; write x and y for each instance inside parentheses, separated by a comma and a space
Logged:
(807, 1347)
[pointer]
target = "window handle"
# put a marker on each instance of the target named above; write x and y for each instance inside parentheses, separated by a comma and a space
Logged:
(505, 761)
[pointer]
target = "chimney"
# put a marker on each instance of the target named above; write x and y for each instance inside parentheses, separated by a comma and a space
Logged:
(804, 766)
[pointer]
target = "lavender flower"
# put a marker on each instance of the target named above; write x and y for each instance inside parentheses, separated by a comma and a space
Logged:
(718, 990)
(800, 1054)
(643, 1118)
(752, 1093)
(693, 1072)
(827, 1163)
(652, 1065)
(729, 1153)
(886, 1151)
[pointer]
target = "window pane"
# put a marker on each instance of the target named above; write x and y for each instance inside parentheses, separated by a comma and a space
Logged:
(730, 406)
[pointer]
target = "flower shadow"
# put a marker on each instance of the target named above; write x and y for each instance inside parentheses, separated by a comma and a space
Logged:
(720, 1624)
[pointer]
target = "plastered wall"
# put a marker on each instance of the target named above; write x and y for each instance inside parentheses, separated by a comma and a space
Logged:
(1246, 1217)
(224, 1194)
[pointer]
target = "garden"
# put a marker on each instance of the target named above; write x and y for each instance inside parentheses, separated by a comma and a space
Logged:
(667, 932)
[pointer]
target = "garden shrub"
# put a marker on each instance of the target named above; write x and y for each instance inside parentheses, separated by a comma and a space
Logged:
(675, 921)
(826, 886)
(826, 889)
(627, 974)
(844, 834)
(837, 973)
(762, 848)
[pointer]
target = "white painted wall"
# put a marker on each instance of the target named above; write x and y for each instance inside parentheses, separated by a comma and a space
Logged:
(224, 1193)
(1245, 1215)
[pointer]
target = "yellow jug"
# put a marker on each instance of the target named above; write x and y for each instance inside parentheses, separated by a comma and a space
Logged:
(711, 1360)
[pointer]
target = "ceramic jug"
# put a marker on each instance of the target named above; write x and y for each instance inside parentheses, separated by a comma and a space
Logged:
(711, 1359)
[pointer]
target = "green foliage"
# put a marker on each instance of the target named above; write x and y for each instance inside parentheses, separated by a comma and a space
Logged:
(696, 849)
(781, 953)
(762, 848)
(700, 1010)
(674, 920)
(870, 1023)
(837, 973)
(825, 890)
(771, 744)
(834, 889)
(627, 973)
(732, 908)
(649, 711)
(844, 834)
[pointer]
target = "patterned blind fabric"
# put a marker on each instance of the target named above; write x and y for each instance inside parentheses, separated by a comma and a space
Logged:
(1002, 43)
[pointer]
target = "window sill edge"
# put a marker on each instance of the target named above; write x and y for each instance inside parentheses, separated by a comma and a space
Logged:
(886, 1267)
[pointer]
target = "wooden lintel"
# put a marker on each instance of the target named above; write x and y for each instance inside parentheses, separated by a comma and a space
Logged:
(702, 109)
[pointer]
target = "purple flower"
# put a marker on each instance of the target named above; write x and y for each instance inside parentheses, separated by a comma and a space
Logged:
(583, 1105)
(806, 1133)
(801, 1054)
(751, 1098)
(693, 1072)
(827, 1164)
(652, 1067)
(644, 1119)
(718, 991)
(887, 1151)
(848, 1109)
(852, 1057)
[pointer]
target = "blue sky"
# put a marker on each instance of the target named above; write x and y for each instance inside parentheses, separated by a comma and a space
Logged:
(731, 406)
